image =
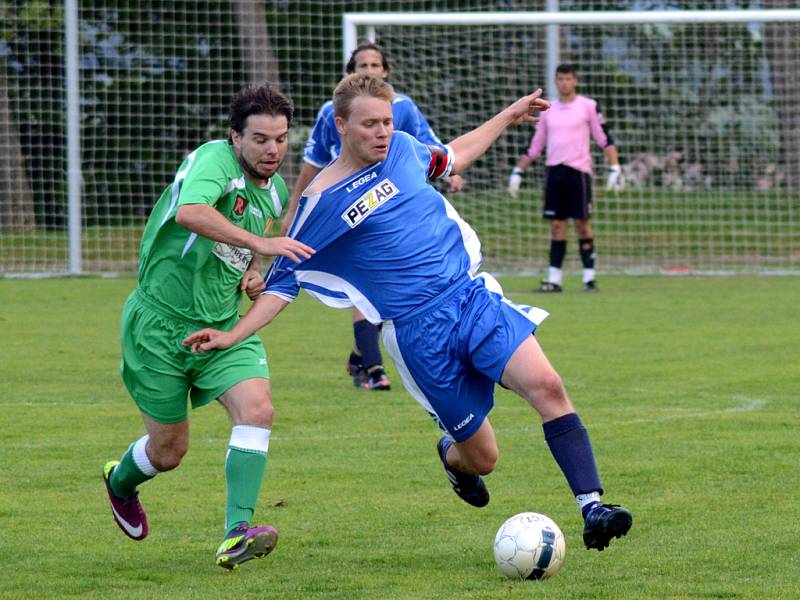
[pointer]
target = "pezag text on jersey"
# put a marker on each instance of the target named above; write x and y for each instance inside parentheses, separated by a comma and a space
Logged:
(368, 202)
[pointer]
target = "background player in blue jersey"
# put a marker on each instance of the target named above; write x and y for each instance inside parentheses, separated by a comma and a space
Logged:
(453, 335)
(365, 363)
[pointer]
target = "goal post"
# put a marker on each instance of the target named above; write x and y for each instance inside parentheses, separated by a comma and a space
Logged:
(704, 107)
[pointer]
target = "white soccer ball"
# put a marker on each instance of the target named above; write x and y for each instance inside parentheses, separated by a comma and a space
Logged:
(529, 546)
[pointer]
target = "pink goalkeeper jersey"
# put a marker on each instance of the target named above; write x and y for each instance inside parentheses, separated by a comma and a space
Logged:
(564, 129)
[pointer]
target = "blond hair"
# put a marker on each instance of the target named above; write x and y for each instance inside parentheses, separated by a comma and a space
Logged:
(356, 85)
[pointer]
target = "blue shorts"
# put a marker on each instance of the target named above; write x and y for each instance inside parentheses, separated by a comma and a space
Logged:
(451, 353)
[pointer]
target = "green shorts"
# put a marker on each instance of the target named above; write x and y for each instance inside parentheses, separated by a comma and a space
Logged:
(160, 373)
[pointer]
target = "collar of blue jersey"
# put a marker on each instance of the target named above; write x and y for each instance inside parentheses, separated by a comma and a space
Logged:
(356, 175)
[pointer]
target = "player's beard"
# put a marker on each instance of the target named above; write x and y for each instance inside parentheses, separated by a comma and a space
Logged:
(250, 170)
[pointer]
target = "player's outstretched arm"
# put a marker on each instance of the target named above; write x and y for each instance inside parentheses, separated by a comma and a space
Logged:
(205, 220)
(261, 313)
(471, 146)
(307, 173)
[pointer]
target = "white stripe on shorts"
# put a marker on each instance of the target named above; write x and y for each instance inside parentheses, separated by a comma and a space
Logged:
(389, 336)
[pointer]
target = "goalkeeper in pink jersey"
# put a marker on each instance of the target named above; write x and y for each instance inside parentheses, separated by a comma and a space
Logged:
(564, 132)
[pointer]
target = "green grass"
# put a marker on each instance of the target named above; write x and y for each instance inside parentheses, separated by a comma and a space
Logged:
(688, 387)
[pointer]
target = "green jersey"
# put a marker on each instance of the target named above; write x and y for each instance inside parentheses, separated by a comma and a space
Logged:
(188, 275)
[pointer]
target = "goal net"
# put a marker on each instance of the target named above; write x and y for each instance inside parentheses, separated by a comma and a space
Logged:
(706, 116)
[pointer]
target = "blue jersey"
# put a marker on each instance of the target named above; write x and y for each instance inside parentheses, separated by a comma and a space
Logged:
(386, 241)
(323, 144)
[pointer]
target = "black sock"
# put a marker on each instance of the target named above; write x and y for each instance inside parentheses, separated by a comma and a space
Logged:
(366, 335)
(356, 360)
(570, 445)
(558, 248)
(586, 247)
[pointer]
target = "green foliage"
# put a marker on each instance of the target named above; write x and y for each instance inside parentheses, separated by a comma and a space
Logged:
(687, 385)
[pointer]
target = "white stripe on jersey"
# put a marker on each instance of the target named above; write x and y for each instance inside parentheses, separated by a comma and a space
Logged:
(336, 286)
(176, 187)
(300, 218)
(451, 161)
(188, 244)
(235, 184)
(276, 201)
(279, 295)
(313, 163)
(471, 242)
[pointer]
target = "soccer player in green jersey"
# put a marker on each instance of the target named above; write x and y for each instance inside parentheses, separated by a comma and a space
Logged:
(203, 233)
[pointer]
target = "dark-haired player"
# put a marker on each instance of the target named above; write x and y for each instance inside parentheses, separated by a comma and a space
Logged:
(198, 242)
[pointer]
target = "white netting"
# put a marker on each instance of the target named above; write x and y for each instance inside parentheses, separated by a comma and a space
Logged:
(706, 118)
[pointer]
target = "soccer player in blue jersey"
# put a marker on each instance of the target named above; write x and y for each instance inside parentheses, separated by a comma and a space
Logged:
(452, 333)
(365, 363)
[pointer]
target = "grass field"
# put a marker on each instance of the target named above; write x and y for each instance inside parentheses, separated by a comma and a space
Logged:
(689, 387)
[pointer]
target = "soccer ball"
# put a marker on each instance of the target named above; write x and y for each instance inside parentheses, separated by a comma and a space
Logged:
(529, 546)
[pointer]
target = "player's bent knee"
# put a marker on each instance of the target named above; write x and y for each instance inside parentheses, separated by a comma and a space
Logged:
(546, 393)
(259, 414)
(551, 386)
(485, 467)
(543, 386)
(169, 456)
(484, 462)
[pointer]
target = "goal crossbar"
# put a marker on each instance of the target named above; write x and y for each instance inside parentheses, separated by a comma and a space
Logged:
(351, 21)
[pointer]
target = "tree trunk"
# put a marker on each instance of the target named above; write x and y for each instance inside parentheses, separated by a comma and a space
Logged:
(16, 198)
(783, 52)
(258, 59)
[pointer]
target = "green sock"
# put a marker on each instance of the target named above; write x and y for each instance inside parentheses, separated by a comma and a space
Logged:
(244, 470)
(127, 475)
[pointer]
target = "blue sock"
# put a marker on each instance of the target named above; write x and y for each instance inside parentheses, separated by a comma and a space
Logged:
(570, 445)
(366, 335)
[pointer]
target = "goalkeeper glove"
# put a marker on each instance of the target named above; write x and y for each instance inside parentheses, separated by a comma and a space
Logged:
(614, 181)
(514, 182)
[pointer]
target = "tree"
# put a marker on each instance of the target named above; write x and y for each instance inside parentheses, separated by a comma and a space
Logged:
(16, 199)
(258, 58)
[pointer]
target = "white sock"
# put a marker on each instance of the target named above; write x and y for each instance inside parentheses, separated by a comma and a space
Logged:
(588, 275)
(584, 499)
(140, 457)
(554, 275)
(250, 438)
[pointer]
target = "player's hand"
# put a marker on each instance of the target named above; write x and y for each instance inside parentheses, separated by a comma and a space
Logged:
(284, 246)
(455, 183)
(252, 284)
(527, 108)
(615, 179)
(514, 181)
(287, 219)
(207, 339)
